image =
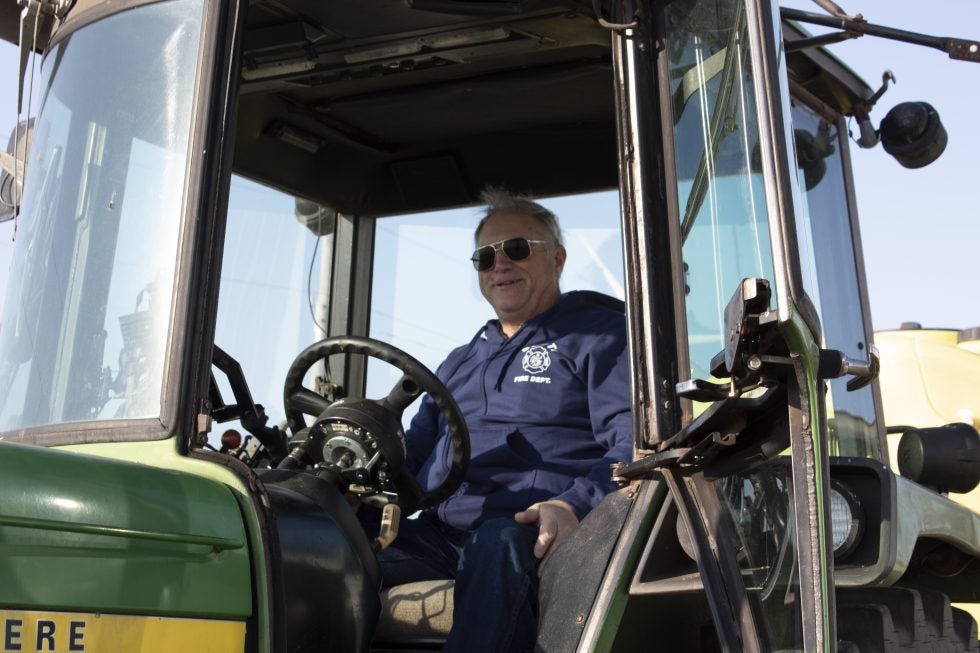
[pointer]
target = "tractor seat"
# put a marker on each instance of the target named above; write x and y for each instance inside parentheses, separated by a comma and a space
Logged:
(416, 614)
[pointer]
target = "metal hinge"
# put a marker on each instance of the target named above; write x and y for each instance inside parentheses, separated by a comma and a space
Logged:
(203, 423)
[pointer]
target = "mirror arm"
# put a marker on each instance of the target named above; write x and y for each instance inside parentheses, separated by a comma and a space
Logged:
(960, 49)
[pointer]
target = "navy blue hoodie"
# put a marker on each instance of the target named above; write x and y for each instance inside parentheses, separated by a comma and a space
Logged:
(548, 412)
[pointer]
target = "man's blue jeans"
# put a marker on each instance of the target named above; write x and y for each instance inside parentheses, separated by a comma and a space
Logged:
(495, 600)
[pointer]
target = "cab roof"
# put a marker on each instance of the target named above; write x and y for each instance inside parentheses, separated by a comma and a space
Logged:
(375, 107)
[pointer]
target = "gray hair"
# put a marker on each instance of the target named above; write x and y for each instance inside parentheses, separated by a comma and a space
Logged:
(499, 200)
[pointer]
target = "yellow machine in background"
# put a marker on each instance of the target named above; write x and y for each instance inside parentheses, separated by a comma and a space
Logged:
(928, 378)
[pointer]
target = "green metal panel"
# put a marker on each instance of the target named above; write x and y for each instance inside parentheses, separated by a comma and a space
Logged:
(79, 532)
(923, 513)
(163, 454)
(811, 474)
(601, 635)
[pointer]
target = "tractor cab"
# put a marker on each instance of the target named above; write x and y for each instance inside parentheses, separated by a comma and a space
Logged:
(242, 247)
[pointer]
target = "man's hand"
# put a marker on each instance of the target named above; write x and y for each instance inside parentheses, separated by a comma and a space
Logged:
(555, 520)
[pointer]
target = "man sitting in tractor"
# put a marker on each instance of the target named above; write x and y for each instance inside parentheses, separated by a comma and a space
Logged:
(544, 389)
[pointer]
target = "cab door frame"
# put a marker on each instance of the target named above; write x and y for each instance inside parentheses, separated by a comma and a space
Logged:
(656, 313)
(658, 326)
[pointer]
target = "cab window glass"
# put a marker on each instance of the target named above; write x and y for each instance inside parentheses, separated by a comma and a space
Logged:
(721, 197)
(85, 327)
(825, 228)
(274, 275)
(725, 231)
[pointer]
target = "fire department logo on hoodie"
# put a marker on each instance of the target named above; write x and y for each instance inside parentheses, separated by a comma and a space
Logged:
(536, 359)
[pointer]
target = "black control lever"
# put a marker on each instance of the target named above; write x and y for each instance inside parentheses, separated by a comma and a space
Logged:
(748, 332)
(700, 390)
(735, 427)
(743, 315)
(251, 415)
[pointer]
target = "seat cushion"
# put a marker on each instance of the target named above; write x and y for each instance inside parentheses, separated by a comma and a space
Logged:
(416, 612)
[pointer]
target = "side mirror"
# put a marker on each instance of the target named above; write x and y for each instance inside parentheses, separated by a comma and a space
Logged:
(317, 218)
(13, 162)
(913, 134)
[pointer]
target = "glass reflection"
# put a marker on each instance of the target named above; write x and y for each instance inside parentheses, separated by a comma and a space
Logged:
(85, 325)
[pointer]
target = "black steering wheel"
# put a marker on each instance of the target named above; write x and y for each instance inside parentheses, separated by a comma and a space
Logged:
(362, 440)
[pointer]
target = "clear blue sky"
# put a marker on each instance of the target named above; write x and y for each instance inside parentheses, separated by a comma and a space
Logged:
(919, 227)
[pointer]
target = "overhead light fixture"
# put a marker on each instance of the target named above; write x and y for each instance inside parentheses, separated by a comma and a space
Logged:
(433, 42)
(384, 52)
(468, 37)
(294, 136)
(277, 69)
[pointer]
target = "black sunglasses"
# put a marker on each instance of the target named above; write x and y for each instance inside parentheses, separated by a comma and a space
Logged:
(516, 249)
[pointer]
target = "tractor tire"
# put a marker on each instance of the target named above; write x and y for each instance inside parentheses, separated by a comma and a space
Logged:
(901, 619)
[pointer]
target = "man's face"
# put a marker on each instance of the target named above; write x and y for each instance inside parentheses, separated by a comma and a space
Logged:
(519, 290)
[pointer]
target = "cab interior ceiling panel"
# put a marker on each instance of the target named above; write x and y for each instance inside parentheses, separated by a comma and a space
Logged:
(381, 108)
